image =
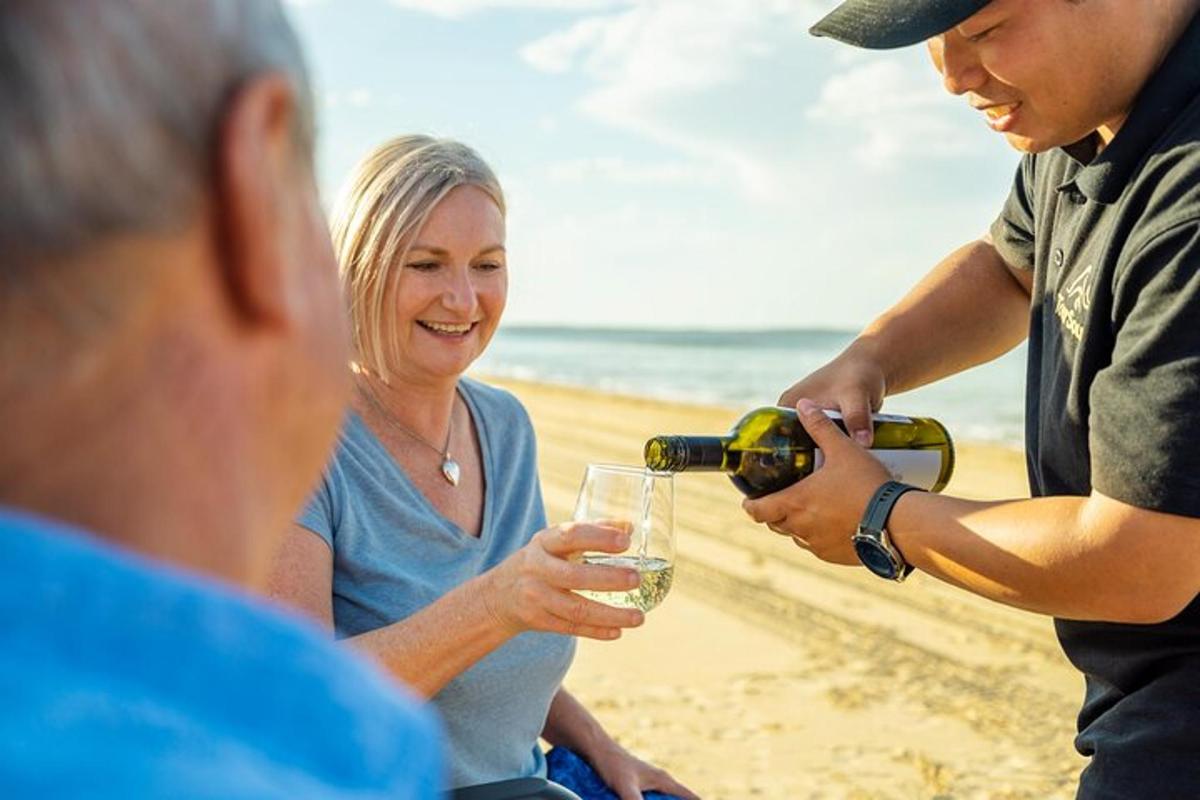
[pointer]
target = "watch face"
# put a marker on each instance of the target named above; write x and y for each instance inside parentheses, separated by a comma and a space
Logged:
(875, 557)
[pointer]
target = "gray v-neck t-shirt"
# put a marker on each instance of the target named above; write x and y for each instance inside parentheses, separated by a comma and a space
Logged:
(394, 554)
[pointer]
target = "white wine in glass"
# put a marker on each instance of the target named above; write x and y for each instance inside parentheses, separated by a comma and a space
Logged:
(643, 500)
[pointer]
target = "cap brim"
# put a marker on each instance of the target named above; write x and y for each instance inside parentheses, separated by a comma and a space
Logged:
(888, 24)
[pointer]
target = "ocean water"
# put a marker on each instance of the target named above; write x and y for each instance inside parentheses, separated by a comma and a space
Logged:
(745, 369)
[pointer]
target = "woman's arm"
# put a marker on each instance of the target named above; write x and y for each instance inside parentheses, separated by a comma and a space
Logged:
(571, 725)
(530, 590)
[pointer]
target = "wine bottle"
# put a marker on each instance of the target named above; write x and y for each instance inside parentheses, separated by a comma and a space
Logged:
(768, 450)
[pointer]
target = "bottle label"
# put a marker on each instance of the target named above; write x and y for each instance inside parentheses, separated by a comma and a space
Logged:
(919, 468)
(876, 417)
(897, 418)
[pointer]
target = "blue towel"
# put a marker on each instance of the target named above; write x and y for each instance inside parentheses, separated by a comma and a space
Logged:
(567, 769)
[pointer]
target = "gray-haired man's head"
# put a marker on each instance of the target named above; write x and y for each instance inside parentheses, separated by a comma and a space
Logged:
(172, 336)
(110, 107)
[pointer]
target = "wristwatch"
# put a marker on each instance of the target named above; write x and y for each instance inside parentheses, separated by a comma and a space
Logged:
(871, 541)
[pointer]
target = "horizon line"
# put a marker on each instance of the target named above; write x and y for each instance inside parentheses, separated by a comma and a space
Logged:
(643, 328)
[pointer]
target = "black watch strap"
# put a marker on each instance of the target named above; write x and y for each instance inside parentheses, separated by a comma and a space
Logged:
(875, 520)
(880, 506)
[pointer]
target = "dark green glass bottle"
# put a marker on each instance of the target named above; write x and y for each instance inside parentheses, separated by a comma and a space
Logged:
(768, 450)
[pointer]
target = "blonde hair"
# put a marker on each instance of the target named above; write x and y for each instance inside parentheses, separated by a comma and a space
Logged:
(381, 209)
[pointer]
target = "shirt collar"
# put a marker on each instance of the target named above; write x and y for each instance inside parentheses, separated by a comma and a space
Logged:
(1170, 89)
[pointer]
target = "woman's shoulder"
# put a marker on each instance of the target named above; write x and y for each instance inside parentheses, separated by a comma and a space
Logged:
(497, 404)
(354, 441)
(357, 454)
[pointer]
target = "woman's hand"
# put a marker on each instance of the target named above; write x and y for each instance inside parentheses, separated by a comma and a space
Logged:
(532, 588)
(628, 776)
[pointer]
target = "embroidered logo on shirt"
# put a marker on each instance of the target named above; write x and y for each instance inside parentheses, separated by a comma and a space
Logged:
(1073, 302)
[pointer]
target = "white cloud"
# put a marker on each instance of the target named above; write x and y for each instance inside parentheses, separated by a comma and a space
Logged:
(556, 53)
(619, 170)
(358, 97)
(653, 59)
(454, 9)
(658, 51)
(894, 113)
(662, 46)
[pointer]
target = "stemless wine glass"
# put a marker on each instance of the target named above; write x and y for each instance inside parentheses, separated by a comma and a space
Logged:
(645, 501)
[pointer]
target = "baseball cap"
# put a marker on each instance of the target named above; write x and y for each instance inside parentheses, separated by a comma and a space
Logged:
(885, 24)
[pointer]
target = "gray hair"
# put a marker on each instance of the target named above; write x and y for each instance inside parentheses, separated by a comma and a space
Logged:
(110, 108)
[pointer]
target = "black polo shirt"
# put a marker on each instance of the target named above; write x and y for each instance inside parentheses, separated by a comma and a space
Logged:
(1113, 398)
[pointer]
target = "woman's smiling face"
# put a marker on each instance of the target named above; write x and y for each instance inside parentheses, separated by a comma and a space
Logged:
(449, 293)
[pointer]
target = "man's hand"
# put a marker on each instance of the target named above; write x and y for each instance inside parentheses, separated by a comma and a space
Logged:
(822, 511)
(852, 383)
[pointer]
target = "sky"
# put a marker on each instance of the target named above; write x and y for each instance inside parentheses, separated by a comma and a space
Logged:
(671, 163)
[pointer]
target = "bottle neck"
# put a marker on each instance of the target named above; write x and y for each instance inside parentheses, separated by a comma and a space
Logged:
(681, 453)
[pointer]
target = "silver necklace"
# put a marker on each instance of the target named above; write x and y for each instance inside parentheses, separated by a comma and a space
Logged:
(450, 469)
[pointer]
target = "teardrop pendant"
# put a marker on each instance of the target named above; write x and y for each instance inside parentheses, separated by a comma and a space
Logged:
(450, 471)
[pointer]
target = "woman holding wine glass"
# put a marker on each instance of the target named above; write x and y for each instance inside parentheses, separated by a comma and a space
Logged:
(426, 544)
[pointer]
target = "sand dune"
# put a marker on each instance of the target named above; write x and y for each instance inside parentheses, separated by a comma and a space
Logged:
(769, 674)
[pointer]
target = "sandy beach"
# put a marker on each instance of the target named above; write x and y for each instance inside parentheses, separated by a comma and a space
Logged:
(768, 674)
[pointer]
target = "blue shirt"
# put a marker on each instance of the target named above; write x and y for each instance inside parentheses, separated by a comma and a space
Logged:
(120, 677)
(394, 554)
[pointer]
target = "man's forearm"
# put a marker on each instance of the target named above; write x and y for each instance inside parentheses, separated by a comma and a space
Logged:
(1088, 558)
(970, 309)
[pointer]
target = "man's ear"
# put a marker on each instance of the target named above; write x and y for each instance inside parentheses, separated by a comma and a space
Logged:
(256, 190)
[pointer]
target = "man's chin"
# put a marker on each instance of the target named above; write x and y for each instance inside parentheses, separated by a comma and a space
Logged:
(1026, 144)
(1049, 140)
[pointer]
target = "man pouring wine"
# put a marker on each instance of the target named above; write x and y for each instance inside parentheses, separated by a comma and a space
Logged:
(1094, 259)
